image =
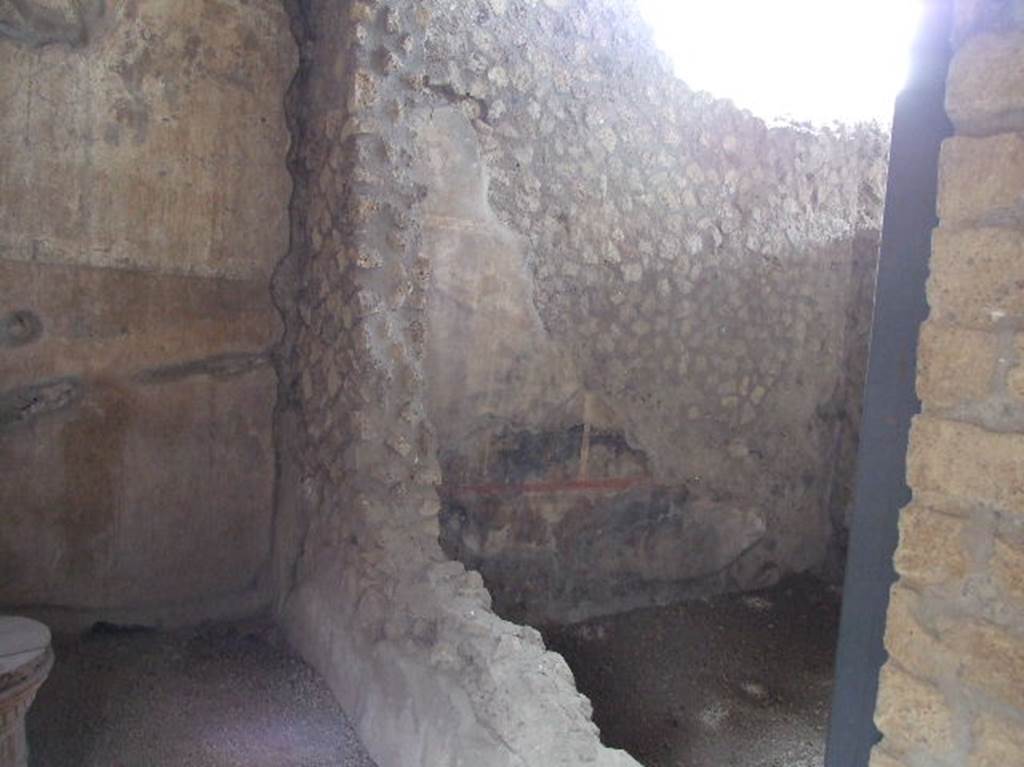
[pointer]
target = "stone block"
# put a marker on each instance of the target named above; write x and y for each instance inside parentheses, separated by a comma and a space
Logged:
(906, 640)
(985, 91)
(968, 463)
(931, 549)
(976, 276)
(981, 180)
(954, 364)
(912, 713)
(992, 659)
(977, 16)
(997, 742)
(1008, 569)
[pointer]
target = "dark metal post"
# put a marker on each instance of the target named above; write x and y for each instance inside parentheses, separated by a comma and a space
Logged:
(890, 400)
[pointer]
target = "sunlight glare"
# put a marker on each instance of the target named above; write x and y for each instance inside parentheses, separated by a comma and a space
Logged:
(818, 61)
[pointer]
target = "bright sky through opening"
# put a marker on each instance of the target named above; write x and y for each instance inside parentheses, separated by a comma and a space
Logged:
(806, 60)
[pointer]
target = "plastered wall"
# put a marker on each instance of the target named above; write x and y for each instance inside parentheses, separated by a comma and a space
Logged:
(143, 206)
(952, 692)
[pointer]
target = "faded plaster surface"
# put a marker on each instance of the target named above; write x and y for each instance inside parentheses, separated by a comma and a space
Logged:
(488, 356)
(657, 309)
(491, 369)
(143, 205)
(157, 145)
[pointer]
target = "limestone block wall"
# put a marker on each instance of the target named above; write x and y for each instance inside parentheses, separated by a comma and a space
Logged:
(952, 692)
(143, 207)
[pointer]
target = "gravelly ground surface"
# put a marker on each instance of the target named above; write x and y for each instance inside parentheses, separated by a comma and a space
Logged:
(221, 696)
(736, 681)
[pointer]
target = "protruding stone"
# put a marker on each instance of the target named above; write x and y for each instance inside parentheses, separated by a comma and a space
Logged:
(932, 548)
(955, 365)
(985, 91)
(975, 274)
(966, 462)
(913, 713)
(981, 180)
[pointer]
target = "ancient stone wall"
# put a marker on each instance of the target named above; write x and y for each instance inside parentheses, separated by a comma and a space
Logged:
(442, 157)
(648, 318)
(143, 207)
(405, 637)
(952, 692)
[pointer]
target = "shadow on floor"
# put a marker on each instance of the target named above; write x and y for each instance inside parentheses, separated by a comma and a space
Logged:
(219, 696)
(734, 681)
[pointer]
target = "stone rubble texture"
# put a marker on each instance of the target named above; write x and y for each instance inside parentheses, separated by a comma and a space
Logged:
(952, 692)
(612, 251)
(406, 638)
(648, 288)
(507, 215)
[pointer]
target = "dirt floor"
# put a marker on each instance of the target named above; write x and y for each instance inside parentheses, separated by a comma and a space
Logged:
(224, 696)
(735, 681)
